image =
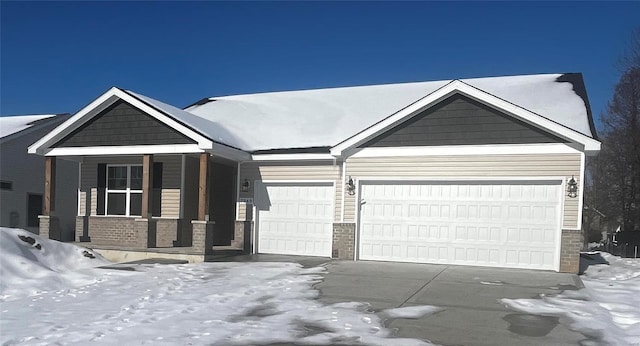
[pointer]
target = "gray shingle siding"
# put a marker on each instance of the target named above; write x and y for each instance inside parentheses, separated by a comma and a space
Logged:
(123, 124)
(461, 121)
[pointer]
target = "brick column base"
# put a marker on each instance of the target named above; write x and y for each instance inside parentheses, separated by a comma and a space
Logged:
(50, 227)
(202, 234)
(344, 235)
(82, 229)
(145, 233)
(570, 251)
(242, 235)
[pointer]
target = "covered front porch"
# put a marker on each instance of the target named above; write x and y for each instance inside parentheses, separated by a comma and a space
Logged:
(149, 178)
(132, 207)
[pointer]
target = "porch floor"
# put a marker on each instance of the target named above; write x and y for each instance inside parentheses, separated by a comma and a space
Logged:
(118, 253)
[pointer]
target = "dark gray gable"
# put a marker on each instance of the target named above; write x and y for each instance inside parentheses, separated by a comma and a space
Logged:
(122, 124)
(460, 120)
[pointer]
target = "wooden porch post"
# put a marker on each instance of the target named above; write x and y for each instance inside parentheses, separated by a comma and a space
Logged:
(50, 186)
(147, 187)
(203, 198)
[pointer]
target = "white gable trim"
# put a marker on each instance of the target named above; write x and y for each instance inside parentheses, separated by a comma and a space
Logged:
(43, 146)
(229, 153)
(292, 157)
(458, 87)
(110, 150)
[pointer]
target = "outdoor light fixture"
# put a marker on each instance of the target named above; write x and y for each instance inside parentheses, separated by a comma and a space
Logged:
(245, 186)
(351, 187)
(572, 187)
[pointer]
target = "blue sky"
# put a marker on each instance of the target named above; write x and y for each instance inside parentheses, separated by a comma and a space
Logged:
(58, 56)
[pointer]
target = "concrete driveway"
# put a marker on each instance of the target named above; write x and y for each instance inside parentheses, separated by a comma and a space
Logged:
(471, 315)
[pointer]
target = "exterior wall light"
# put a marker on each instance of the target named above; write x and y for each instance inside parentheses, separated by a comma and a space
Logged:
(245, 186)
(572, 187)
(351, 187)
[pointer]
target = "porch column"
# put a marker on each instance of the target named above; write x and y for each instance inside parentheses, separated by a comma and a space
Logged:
(49, 223)
(202, 236)
(145, 226)
(147, 187)
(49, 185)
(203, 188)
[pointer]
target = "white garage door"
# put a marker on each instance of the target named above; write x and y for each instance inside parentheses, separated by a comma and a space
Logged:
(295, 219)
(501, 224)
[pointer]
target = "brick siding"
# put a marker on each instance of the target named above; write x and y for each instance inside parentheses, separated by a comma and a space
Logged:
(120, 231)
(344, 235)
(49, 227)
(166, 232)
(570, 251)
(242, 235)
(79, 227)
(129, 232)
(202, 241)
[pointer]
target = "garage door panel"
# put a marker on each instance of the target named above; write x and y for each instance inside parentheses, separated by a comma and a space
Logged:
(298, 219)
(512, 224)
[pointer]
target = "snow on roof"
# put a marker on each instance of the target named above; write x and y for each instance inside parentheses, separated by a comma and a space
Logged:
(206, 127)
(14, 124)
(542, 94)
(309, 118)
(326, 117)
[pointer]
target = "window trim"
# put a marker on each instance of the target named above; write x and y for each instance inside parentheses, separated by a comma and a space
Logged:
(127, 192)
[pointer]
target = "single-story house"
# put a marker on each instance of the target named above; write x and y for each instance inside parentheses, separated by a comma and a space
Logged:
(22, 176)
(485, 171)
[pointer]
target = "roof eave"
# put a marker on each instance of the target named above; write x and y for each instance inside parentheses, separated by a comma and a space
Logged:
(43, 146)
(590, 145)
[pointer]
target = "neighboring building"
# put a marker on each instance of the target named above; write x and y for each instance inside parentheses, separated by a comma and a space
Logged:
(22, 175)
(485, 171)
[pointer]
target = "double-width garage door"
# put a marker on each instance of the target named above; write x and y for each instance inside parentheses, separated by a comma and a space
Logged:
(512, 224)
(295, 219)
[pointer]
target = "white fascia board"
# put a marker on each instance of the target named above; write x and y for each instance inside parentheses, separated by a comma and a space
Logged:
(101, 103)
(458, 87)
(497, 103)
(581, 192)
(291, 157)
(455, 150)
(125, 150)
(432, 98)
(82, 116)
(559, 180)
(229, 153)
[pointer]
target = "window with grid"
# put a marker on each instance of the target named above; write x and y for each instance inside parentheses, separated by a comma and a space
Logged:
(124, 190)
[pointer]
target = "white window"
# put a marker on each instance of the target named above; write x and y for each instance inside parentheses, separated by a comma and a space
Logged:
(124, 190)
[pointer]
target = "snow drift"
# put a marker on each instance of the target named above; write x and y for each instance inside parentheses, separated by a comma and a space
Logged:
(607, 310)
(52, 295)
(30, 264)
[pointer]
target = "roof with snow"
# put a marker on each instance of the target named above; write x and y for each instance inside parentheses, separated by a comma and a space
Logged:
(326, 117)
(10, 125)
(336, 119)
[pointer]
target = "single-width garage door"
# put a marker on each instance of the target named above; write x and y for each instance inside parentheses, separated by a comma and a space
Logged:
(511, 224)
(295, 219)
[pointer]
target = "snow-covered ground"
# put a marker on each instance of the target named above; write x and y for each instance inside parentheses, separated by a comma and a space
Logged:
(607, 309)
(51, 293)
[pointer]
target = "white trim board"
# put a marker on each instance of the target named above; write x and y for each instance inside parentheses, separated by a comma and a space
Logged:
(100, 104)
(125, 150)
(369, 179)
(294, 157)
(580, 192)
(458, 87)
